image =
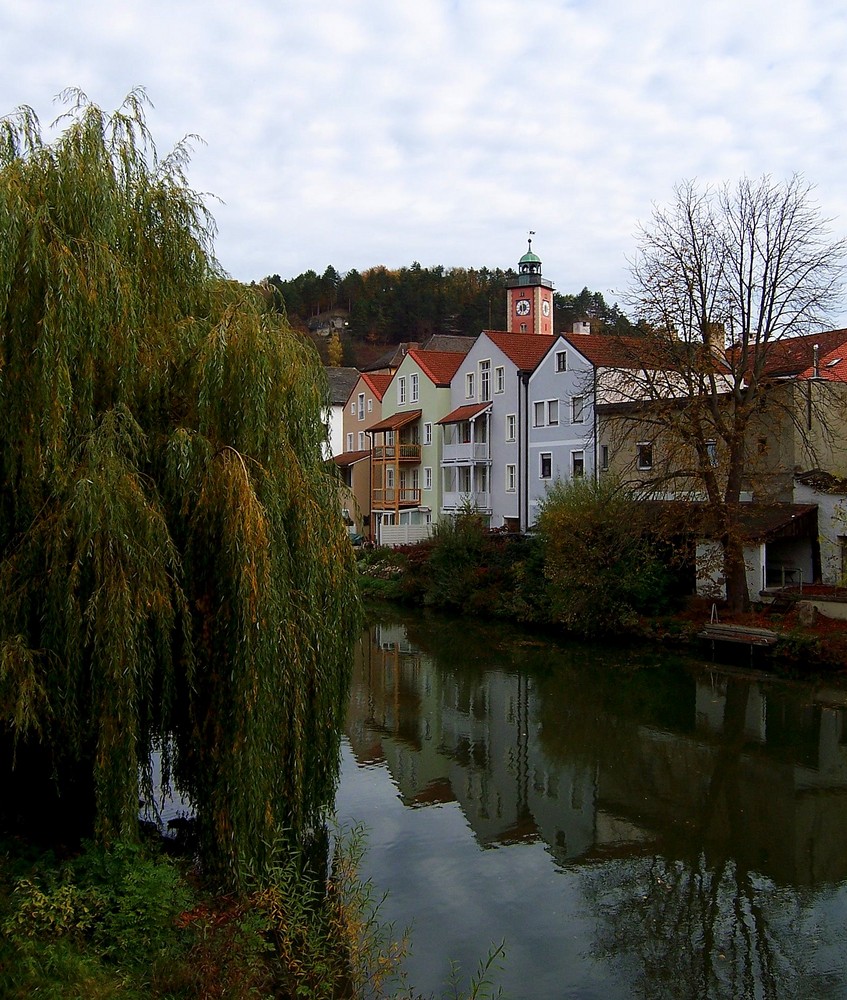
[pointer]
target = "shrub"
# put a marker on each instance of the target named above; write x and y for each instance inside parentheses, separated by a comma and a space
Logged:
(600, 569)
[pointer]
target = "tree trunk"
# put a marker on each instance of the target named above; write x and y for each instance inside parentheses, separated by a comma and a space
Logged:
(735, 574)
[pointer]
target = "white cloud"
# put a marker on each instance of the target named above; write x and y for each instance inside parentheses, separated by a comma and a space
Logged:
(358, 133)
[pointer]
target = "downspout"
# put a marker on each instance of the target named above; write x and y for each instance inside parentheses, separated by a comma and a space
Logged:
(523, 451)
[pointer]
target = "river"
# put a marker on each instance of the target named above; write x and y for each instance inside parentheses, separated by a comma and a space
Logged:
(630, 824)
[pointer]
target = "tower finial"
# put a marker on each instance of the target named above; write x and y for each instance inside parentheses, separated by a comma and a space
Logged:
(529, 241)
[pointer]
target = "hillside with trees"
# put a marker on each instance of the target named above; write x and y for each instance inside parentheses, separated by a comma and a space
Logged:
(413, 303)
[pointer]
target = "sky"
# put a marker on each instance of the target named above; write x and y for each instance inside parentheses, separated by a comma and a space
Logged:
(352, 133)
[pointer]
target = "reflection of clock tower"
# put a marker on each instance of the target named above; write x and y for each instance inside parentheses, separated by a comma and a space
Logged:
(529, 298)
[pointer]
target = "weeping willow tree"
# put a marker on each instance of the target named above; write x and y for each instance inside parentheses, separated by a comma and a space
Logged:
(173, 572)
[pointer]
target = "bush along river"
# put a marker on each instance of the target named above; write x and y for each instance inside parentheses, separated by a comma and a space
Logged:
(629, 824)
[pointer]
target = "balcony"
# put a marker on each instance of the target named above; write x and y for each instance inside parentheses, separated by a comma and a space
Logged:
(460, 500)
(467, 453)
(397, 452)
(394, 497)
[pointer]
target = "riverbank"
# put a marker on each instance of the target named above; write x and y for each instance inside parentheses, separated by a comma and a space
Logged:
(505, 580)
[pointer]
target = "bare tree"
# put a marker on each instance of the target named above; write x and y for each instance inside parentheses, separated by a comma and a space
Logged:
(724, 277)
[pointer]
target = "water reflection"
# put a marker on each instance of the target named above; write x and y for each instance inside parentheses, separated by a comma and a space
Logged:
(703, 814)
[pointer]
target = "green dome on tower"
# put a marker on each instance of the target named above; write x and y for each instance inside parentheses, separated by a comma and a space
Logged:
(530, 263)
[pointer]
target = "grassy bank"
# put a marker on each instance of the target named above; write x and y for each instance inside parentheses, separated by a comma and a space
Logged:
(134, 923)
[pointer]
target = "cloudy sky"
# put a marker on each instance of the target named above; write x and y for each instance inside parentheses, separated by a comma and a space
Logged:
(357, 133)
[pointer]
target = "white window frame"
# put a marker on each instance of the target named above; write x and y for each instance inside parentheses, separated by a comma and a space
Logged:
(415, 387)
(427, 433)
(642, 449)
(511, 426)
(549, 456)
(361, 406)
(469, 385)
(578, 409)
(485, 380)
(539, 411)
(511, 478)
(712, 452)
(604, 457)
(578, 456)
(370, 406)
(500, 379)
(361, 440)
(427, 480)
(561, 361)
(552, 412)
(401, 390)
(349, 441)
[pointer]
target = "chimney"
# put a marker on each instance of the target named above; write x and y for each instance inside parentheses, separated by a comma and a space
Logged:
(816, 361)
(581, 328)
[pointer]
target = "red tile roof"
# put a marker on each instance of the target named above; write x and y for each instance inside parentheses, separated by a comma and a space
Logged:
(438, 366)
(525, 350)
(605, 351)
(350, 458)
(796, 356)
(463, 413)
(395, 421)
(377, 382)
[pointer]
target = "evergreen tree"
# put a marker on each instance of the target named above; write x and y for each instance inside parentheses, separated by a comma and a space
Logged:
(172, 570)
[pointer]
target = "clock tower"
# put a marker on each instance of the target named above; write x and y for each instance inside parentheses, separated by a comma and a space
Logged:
(529, 298)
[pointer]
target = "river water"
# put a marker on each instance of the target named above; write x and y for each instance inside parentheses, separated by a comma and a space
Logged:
(629, 823)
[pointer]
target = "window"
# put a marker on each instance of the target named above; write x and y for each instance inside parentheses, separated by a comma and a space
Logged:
(644, 455)
(604, 456)
(349, 446)
(577, 409)
(427, 478)
(469, 388)
(561, 361)
(415, 383)
(538, 415)
(545, 465)
(361, 440)
(553, 412)
(361, 406)
(484, 381)
(712, 452)
(401, 390)
(577, 464)
(370, 406)
(427, 439)
(500, 379)
(523, 327)
(389, 477)
(511, 478)
(353, 408)
(510, 427)
(464, 479)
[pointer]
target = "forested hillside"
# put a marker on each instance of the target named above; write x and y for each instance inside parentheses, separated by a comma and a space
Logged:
(412, 303)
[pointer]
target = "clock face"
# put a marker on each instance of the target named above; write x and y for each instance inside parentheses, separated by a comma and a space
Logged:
(522, 307)
(545, 307)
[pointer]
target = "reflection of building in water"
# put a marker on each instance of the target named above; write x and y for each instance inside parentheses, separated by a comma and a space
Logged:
(465, 737)
(761, 777)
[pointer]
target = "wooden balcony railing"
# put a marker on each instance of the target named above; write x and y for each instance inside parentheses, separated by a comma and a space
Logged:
(400, 452)
(392, 497)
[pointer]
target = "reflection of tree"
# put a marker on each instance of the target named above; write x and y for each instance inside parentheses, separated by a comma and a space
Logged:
(700, 930)
(705, 926)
